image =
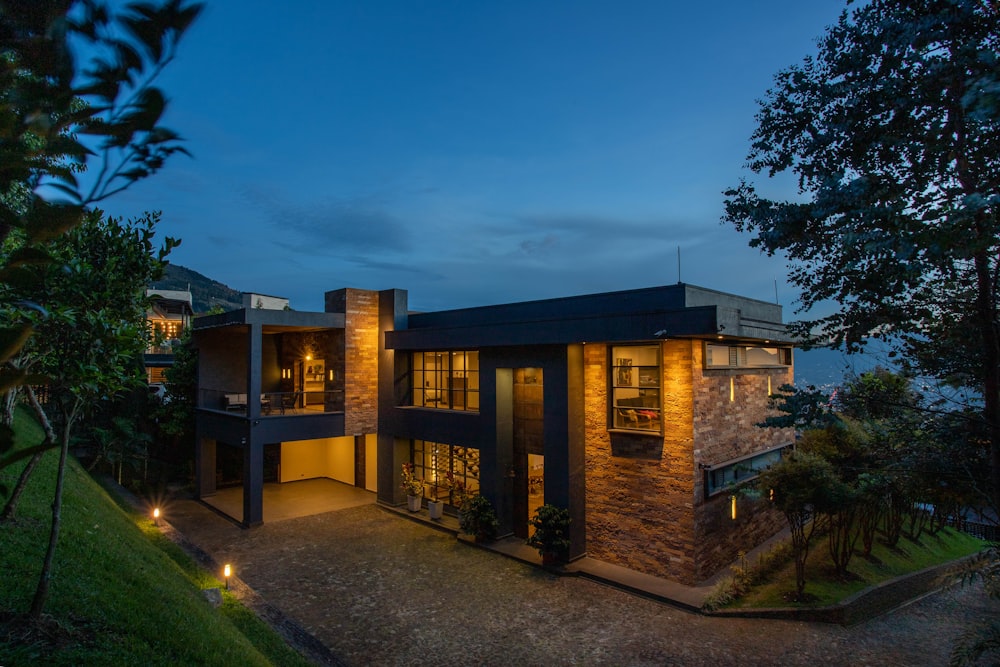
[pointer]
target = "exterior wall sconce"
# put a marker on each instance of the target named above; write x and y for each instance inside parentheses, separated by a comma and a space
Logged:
(732, 389)
(286, 373)
(732, 507)
(332, 376)
(226, 572)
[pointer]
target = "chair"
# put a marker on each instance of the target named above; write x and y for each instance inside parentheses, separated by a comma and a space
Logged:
(289, 401)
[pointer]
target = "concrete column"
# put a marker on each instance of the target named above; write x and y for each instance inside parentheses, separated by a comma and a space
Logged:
(253, 481)
(204, 456)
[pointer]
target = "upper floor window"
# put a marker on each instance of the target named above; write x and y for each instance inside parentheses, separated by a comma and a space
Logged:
(446, 379)
(746, 356)
(635, 387)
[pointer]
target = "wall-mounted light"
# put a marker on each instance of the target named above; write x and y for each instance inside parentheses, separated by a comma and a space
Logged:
(226, 572)
(332, 376)
(732, 507)
(770, 495)
(286, 373)
(732, 389)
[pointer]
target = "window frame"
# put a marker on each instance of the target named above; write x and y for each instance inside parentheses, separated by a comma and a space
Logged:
(620, 377)
(738, 354)
(766, 456)
(444, 386)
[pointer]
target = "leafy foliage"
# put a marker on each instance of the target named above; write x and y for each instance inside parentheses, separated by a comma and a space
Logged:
(893, 134)
(479, 518)
(551, 536)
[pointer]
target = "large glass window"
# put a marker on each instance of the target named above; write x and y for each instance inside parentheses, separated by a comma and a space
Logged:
(635, 387)
(746, 356)
(449, 472)
(447, 380)
(724, 476)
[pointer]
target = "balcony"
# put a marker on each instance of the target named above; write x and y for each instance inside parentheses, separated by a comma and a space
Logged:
(273, 403)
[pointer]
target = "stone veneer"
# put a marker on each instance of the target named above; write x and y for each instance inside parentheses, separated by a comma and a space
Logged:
(361, 341)
(645, 495)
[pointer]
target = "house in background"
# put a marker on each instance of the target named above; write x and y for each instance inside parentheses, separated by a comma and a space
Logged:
(169, 315)
(636, 410)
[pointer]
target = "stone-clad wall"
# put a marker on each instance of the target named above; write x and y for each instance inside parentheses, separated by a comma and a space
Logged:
(725, 430)
(646, 508)
(639, 509)
(361, 362)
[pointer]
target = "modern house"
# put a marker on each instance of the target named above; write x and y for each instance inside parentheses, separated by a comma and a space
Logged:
(636, 410)
(169, 315)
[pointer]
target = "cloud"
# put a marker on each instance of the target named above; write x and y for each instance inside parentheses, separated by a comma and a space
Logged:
(331, 226)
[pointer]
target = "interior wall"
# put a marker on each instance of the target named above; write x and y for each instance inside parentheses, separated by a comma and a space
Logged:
(371, 462)
(323, 457)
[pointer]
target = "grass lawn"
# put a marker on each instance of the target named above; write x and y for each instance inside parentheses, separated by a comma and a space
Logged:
(907, 557)
(121, 592)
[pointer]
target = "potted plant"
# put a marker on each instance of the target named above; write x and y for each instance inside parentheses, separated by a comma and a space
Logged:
(435, 507)
(458, 492)
(551, 536)
(479, 519)
(413, 487)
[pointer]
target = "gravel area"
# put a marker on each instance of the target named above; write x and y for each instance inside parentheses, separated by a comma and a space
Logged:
(379, 589)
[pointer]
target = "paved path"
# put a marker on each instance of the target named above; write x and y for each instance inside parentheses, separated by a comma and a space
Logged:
(378, 589)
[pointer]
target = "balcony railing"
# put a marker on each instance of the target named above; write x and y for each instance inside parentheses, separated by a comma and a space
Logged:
(274, 403)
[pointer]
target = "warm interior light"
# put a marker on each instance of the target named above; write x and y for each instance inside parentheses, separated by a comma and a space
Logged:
(732, 507)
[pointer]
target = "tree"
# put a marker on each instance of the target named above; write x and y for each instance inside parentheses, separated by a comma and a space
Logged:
(801, 487)
(893, 133)
(95, 330)
(48, 100)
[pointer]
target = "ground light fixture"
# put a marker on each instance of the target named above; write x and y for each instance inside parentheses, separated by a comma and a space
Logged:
(156, 516)
(226, 572)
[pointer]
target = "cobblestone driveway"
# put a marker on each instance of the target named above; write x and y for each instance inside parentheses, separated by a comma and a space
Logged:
(378, 589)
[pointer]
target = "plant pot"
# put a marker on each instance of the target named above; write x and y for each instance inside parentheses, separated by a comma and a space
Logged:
(413, 503)
(435, 508)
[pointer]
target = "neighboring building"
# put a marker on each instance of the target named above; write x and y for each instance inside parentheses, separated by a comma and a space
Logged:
(169, 315)
(635, 410)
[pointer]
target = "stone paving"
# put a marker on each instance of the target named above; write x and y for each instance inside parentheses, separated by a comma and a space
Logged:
(379, 589)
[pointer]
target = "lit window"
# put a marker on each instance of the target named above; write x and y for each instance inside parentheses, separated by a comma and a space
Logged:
(448, 471)
(746, 356)
(719, 478)
(447, 380)
(635, 388)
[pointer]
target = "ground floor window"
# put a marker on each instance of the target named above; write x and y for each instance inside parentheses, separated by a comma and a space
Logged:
(722, 477)
(449, 471)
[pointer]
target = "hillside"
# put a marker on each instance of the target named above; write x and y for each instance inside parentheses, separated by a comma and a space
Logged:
(122, 593)
(205, 291)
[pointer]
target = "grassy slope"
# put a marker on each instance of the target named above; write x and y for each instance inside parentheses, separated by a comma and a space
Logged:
(948, 545)
(122, 593)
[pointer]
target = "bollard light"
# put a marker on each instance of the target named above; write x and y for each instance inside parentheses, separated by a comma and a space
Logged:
(156, 516)
(226, 572)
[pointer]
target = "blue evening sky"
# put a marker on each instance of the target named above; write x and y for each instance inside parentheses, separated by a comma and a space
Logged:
(471, 152)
